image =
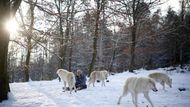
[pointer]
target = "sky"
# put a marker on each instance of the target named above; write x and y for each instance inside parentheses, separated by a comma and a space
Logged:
(174, 4)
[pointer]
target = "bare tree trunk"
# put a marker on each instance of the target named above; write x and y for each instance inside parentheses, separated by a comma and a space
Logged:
(27, 62)
(70, 57)
(70, 51)
(67, 32)
(62, 45)
(71, 35)
(4, 83)
(71, 46)
(27, 67)
(29, 44)
(181, 56)
(100, 5)
(100, 54)
(61, 50)
(94, 54)
(4, 42)
(182, 41)
(132, 49)
(112, 60)
(133, 34)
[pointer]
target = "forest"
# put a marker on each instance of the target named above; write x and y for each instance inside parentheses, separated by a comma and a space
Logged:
(115, 35)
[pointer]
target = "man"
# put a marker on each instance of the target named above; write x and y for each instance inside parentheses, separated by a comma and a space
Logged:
(80, 80)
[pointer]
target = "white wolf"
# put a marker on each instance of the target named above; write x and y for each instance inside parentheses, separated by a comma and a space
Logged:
(136, 85)
(162, 79)
(68, 78)
(98, 75)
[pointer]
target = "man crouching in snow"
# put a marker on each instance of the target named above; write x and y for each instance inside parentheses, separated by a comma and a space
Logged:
(68, 78)
(80, 80)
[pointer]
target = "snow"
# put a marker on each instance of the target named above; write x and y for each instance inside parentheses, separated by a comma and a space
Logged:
(49, 93)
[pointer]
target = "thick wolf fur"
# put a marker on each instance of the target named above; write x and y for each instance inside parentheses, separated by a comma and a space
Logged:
(68, 78)
(98, 75)
(162, 79)
(136, 85)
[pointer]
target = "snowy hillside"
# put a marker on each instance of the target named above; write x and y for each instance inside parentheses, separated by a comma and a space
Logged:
(49, 93)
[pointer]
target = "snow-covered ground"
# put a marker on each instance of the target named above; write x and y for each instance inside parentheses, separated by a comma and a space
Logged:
(49, 93)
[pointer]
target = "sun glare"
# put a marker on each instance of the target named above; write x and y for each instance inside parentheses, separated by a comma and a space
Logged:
(12, 27)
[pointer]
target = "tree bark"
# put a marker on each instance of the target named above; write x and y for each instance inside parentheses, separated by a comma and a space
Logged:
(94, 54)
(4, 83)
(112, 60)
(62, 47)
(29, 44)
(71, 34)
(132, 49)
(100, 6)
(182, 41)
(133, 34)
(27, 66)
(70, 58)
(4, 42)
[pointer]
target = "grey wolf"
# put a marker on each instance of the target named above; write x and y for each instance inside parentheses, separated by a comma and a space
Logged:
(136, 85)
(162, 79)
(98, 75)
(68, 78)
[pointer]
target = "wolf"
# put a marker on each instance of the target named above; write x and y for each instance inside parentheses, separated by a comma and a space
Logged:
(162, 79)
(98, 75)
(136, 85)
(68, 78)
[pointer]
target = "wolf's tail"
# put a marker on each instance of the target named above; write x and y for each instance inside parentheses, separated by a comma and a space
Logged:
(92, 77)
(73, 78)
(89, 79)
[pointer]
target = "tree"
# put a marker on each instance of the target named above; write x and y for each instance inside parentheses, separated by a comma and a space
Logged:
(184, 30)
(29, 38)
(71, 29)
(134, 12)
(7, 10)
(62, 49)
(178, 35)
(100, 6)
(139, 9)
